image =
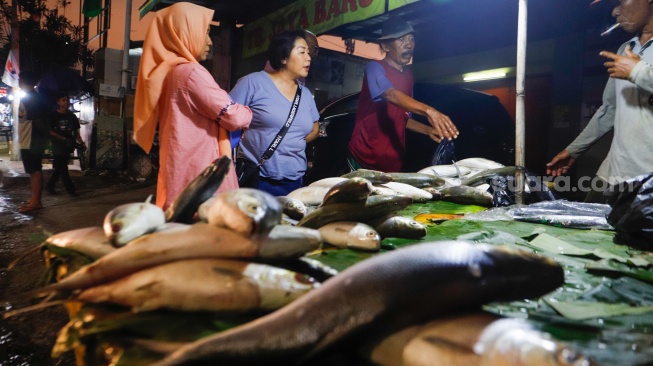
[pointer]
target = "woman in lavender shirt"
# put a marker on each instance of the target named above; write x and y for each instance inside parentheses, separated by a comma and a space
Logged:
(270, 96)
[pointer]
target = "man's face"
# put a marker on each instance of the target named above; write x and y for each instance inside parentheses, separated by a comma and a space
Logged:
(632, 15)
(400, 50)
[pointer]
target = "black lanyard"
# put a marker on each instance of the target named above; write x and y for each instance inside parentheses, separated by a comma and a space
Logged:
(277, 140)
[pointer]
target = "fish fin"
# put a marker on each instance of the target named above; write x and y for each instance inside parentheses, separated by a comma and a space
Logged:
(148, 199)
(45, 304)
(23, 256)
(460, 175)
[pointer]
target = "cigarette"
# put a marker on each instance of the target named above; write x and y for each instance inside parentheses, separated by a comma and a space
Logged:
(610, 29)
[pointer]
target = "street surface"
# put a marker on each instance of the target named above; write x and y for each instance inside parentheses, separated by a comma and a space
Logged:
(27, 339)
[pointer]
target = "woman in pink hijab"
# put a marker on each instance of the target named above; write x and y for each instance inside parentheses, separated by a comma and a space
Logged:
(192, 111)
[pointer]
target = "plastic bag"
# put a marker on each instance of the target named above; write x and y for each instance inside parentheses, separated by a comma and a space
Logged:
(632, 211)
(445, 153)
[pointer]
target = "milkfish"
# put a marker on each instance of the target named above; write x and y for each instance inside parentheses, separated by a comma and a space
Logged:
(350, 190)
(398, 227)
(285, 241)
(513, 342)
(418, 180)
(327, 182)
(448, 171)
(199, 240)
(389, 291)
(417, 194)
(374, 206)
(477, 338)
(294, 208)
(200, 189)
(247, 211)
(374, 176)
(486, 175)
(311, 195)
(203, 285)
(353, 235)
(467, 196)
(131, 220)
(89, 241)
(435, 192)
(479, 163)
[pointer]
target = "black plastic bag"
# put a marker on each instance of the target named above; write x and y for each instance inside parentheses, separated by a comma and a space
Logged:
(445, 154)
(632, 211)
(247, 173)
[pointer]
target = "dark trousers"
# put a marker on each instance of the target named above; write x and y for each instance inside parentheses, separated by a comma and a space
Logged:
(279, 187)
(60, 166)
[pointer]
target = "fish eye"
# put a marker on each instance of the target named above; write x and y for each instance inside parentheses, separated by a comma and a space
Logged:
(571, 357)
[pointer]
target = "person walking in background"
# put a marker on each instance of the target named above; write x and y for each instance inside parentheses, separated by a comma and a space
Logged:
(271, 96)
(32, 136)
(383, 114)
(193, 112)
(64, 134)
(627, 107)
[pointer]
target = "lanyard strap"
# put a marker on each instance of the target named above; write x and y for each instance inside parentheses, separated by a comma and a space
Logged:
(277, 140)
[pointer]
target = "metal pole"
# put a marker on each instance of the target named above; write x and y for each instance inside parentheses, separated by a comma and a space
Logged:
(15, 46)
(520, 112)
(125, 47)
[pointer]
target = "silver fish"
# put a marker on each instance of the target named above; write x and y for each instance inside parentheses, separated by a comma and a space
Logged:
(374, 206)
(350, 190)
(374, 176)
(467, 196)
(247, 211)
(391, 290)
(353, 235)
(131, 220)
(293, 207)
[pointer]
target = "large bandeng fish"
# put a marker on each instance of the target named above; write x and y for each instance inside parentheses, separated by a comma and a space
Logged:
(384, 293)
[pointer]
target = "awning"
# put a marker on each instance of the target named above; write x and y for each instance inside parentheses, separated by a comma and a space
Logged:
(317, 16)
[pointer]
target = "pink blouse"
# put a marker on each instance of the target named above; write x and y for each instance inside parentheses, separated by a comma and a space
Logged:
(192, 106)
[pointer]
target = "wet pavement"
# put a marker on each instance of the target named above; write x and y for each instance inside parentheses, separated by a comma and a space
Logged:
(27, 339)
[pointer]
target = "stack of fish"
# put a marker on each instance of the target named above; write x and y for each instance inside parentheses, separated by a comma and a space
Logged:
(145, 262)
(146, 259)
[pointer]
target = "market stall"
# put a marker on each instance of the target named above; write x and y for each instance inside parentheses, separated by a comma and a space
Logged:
(602, 312)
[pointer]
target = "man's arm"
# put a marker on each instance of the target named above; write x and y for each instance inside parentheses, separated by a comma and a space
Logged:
(441, 123)
(415, 126)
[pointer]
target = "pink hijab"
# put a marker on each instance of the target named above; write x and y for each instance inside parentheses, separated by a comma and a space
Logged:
(176, 35)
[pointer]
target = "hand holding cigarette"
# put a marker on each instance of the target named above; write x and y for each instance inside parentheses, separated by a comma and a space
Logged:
(620, 66)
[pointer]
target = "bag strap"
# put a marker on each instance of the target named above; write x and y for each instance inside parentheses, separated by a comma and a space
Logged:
(291, 117)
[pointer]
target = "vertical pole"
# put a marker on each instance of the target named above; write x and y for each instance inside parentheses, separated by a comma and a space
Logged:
(15, 46)
(125, 47)
(520, 112)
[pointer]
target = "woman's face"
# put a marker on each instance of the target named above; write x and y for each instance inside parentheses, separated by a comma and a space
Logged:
(207, 47)
(299, 61)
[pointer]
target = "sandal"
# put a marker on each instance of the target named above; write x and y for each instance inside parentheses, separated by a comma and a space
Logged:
(28, 208)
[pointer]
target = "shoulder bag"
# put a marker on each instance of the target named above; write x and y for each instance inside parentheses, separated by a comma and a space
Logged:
(248, 171)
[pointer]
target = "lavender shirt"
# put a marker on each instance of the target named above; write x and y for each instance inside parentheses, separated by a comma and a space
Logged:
(270, 110)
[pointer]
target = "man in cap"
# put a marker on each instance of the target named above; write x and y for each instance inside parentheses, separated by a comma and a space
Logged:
(385, 105)
(627, 106)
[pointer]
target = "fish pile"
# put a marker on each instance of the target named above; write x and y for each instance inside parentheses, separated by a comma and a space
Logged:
(376, 297)
(145, 259)
(228, 253)
(358, 209)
